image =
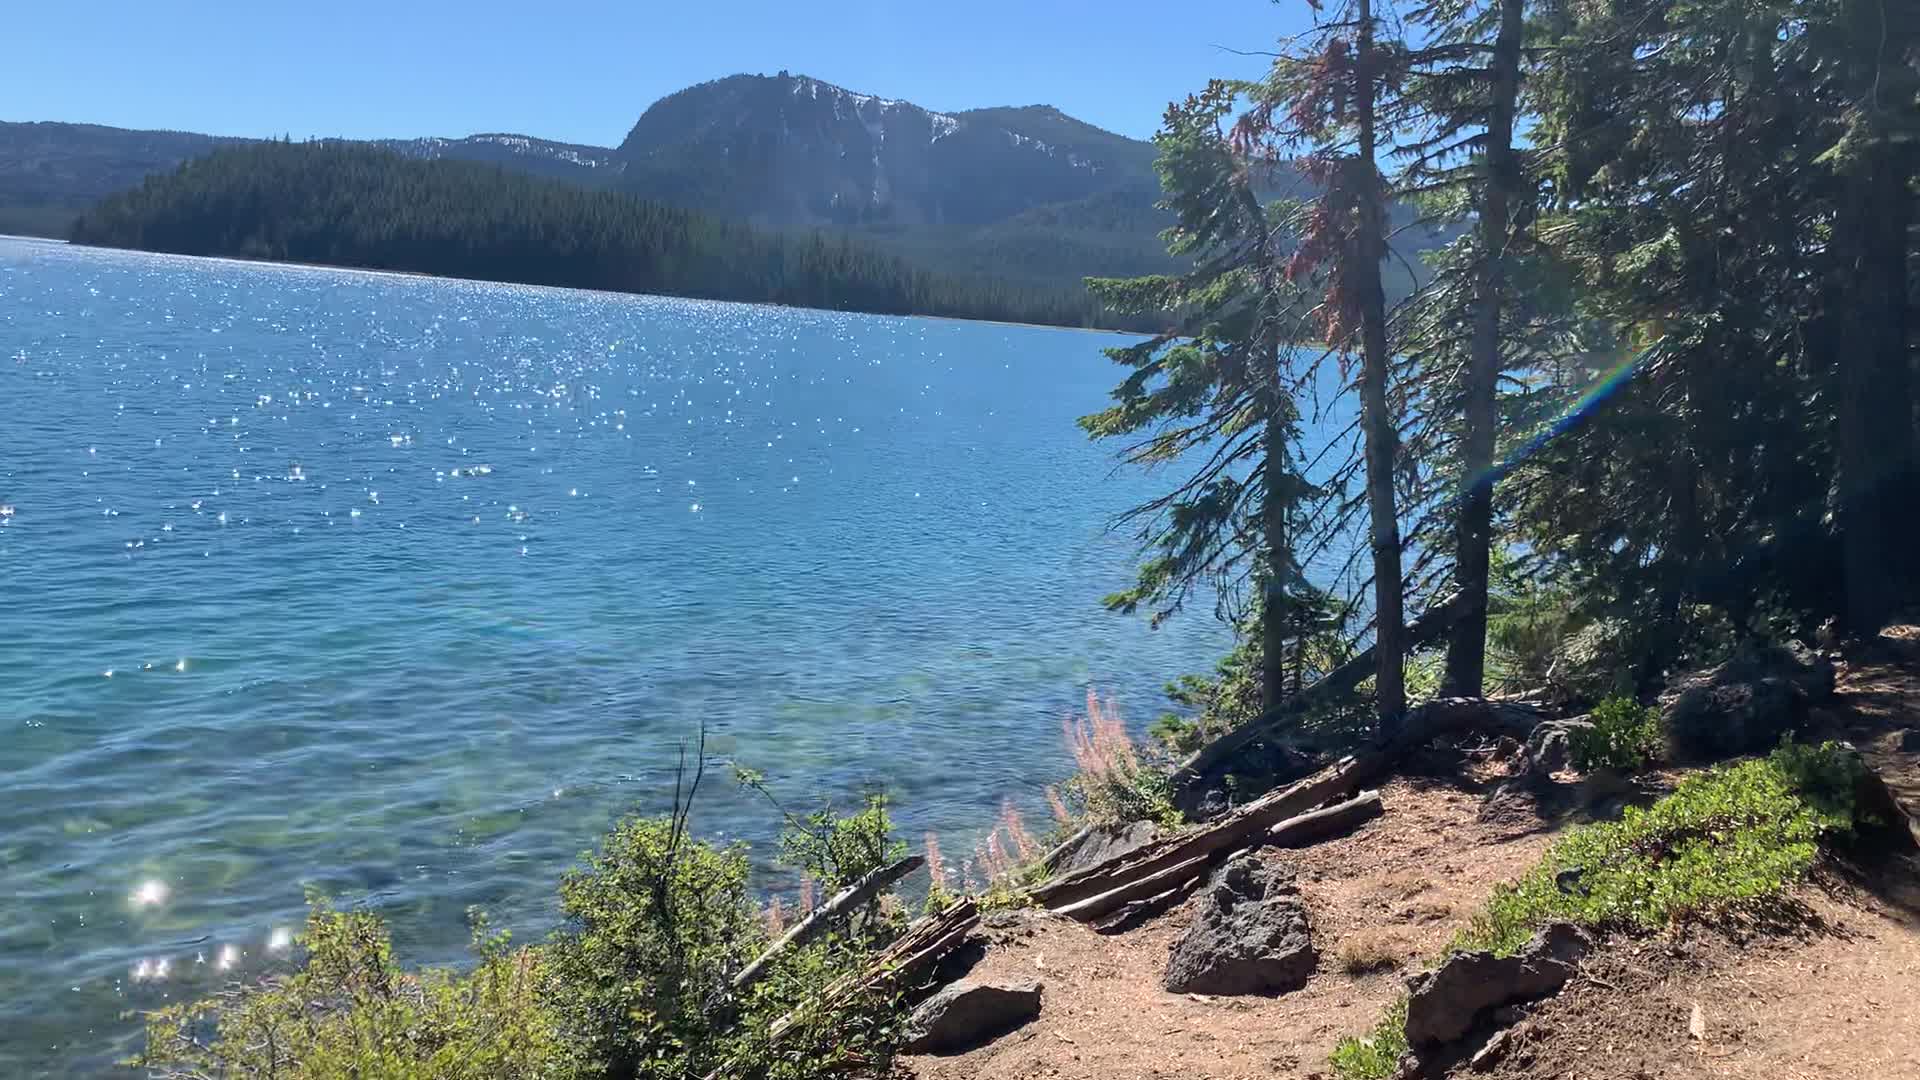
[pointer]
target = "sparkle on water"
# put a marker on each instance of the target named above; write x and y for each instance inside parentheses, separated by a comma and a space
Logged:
(891, 576)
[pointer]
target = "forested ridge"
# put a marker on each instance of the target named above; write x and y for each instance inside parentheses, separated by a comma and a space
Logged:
(346, 205)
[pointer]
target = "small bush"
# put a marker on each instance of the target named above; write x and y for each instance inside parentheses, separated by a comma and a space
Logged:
(1727, 841)
(1366, 951)
(351, 1011)
(838, 850)
(1623, 736)
(656, 925)
(637, 985)
(1376, 1055)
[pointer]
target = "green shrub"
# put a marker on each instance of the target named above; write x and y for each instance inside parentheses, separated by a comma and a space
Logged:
(636, 984)
(1727, 841)
(1623, 736)
(838, 850)
(350, 1011)
(1376, 1055)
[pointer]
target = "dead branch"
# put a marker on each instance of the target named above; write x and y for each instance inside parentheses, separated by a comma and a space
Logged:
(823, 916)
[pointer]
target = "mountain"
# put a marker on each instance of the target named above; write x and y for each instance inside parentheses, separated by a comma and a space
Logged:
(50, 172)
(1025, 195)
(590, 166)
(788, 149)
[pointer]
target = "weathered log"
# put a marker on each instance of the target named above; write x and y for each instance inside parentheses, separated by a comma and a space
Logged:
(823, 916)
(1327, 822)
(1139, 911)
(1132, 889)
(1236, 830)
(1337, 683)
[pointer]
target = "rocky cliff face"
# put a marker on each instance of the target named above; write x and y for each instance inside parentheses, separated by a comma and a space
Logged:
(791, 149)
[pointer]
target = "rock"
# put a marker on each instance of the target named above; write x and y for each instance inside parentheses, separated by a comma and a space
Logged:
(1603, 786)
(1496, 1049)
(970, 1014)
(1745, 705)
(1103, 842)
(1249, 935)
(1444, 1004)
(1910, 741)
(1550, 748)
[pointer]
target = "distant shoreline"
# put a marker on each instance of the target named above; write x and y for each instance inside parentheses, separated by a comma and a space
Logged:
(385, 272)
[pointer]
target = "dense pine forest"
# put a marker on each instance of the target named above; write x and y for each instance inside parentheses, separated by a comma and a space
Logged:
(348, 205)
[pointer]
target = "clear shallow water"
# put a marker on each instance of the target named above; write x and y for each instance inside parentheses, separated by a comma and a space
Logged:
(407, 587)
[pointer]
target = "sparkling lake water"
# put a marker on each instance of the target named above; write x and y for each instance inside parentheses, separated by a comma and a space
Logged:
(400, 590)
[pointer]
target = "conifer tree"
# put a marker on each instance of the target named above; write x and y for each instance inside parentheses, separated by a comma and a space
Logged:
(1215, 386)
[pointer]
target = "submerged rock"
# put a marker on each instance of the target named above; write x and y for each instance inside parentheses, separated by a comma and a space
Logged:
(970, 1014)
(1445, 1003)
(1249, 936)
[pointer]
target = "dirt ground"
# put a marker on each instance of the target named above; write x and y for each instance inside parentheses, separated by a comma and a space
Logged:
(1836, 997)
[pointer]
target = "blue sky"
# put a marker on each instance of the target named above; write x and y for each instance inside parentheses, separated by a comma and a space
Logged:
(582, 70)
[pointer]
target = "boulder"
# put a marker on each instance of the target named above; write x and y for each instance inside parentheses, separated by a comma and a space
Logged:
(1102, 842)
(1249, 935)
(1445, 1003)
(1745, 705)
(969, 1014)
(1549, 748)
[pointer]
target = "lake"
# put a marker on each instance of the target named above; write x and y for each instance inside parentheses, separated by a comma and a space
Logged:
(400, 590)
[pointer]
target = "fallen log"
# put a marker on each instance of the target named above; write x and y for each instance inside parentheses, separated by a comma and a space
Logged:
(823, 916)
(1139, 911)
(1327, 822)
(1236, 830)
(1336, 683)
(1133, 889)
(1246, 825)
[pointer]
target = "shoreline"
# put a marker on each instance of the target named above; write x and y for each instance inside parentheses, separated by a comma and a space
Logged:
(243, 260)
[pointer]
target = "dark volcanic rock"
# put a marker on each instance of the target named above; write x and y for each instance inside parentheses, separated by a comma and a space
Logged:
(1745, 705)
(970, 1014)
(1103, 842)
(1443, 1004)
(1249, 936)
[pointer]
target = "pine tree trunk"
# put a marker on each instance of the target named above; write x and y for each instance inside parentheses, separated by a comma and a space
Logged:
(1273, 609)
(1879, 511)
(1467, 647)
(1376, 421)
(1879, 490)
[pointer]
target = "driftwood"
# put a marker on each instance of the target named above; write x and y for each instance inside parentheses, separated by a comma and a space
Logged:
(1326, 823)
(823, 916)
(1287, 816)
(1138, 888)
(1337, 683)
(911, 956)
(1238, 829)
(1138, 911)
